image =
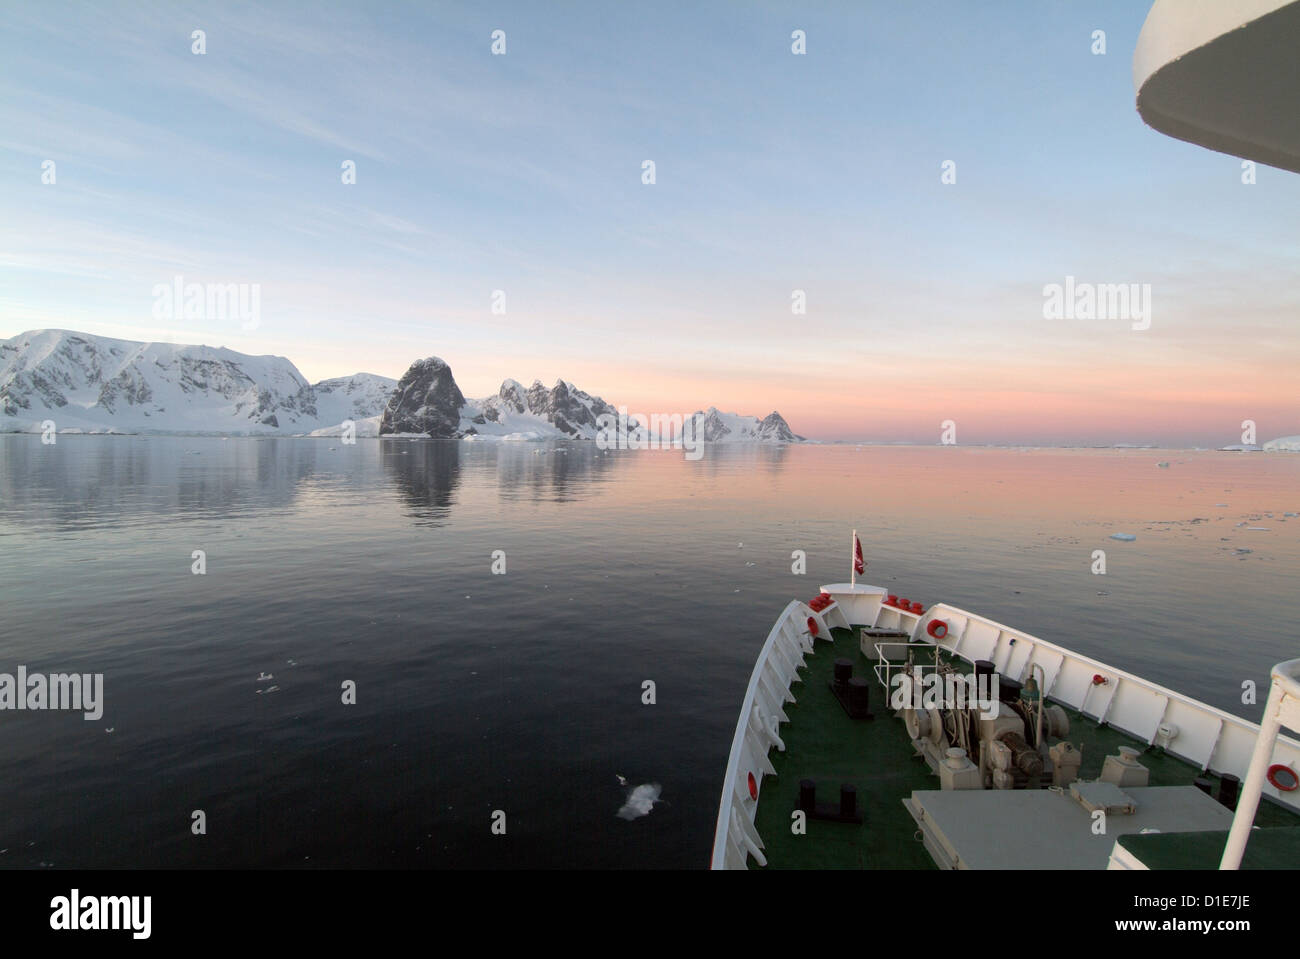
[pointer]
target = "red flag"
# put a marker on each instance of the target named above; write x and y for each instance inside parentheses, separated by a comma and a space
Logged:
(859, 565)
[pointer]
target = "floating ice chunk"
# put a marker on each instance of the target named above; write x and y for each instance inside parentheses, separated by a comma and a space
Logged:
(1258, 529)
(1163, 466)
(263, 676)
(1124, 537)
(640, 801)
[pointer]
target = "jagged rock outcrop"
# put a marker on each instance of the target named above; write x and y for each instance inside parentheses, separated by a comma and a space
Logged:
(774, 429)
(721, 427)
(537, 412)
(569, 409)
(426, 400)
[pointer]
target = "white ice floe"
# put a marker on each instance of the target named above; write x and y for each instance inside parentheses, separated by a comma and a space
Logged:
(640, 801)
(1124, 537)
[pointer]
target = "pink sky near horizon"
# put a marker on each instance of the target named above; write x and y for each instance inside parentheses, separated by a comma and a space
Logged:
(1012, 400)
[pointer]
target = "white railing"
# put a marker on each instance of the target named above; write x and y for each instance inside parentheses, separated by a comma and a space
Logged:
(1200, 734)
(758, 729)
(1282, 709)
(885, 667)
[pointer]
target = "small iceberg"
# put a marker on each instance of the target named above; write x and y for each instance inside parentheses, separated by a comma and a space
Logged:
(1123, 537)
(640, 801)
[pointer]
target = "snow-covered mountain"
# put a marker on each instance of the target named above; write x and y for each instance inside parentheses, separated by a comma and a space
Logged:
(96, 383)
(722, 427)
(428, 401)
(563, 410)
(89, 383)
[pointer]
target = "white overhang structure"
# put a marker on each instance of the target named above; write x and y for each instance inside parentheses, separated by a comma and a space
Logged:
(1224, 74)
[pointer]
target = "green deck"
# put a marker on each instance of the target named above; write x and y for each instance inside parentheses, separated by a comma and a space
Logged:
(823, 744)
(1275, 848)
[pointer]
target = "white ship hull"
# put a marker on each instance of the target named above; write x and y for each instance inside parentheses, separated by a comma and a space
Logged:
(1202, 735)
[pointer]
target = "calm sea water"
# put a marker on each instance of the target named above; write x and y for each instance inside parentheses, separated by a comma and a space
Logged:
(522, 692)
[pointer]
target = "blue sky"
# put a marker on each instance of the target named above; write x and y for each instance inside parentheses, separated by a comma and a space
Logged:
(774, 172)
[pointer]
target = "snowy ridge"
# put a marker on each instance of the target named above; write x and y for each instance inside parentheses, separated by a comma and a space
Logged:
(428, 401)
(722, 427)
(1283, 444)
(563, 411)
(86, 382)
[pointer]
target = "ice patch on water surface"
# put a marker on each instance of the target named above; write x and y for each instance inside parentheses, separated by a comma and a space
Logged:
(525, 437)
(640, 801)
